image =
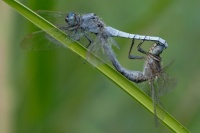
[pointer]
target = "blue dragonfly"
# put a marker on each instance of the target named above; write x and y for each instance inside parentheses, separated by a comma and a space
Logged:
(87, 27)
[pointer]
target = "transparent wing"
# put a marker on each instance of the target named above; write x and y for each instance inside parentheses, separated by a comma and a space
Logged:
(112, 42)
(56, 18)
(152, 91)
(165, 83)
(156, 88)
(40, 41)
(97, 47)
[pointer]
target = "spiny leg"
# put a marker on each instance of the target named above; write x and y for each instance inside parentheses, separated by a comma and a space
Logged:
(140, 49)
(89, 39)
(90, 42)
(133, 56)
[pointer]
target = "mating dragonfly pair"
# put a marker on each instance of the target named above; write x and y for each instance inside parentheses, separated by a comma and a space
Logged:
(94, 30)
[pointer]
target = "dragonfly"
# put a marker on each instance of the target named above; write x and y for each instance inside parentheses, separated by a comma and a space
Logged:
(153, 74)
(87, 26)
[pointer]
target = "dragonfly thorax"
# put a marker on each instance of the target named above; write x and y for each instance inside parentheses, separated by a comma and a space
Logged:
(152, 67)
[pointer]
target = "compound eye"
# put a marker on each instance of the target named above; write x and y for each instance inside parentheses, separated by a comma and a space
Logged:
(71, 15)
(69, 18)
(158, 49)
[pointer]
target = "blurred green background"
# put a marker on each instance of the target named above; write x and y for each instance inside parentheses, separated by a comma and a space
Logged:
(55, 92)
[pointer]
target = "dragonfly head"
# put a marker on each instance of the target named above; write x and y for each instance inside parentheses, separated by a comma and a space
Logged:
(71, 19)
(157, 49)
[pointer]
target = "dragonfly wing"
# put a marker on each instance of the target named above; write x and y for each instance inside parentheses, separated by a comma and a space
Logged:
(165, 83)
(56, 18)
(112, 42)
(96, 47)
(152, 90)
(40, 40)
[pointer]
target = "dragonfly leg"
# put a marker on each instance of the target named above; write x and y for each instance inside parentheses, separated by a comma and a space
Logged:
(140, 49)
(89, 39)
(78, 37)
(90, 49)
(133, 56)
(72, 28)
